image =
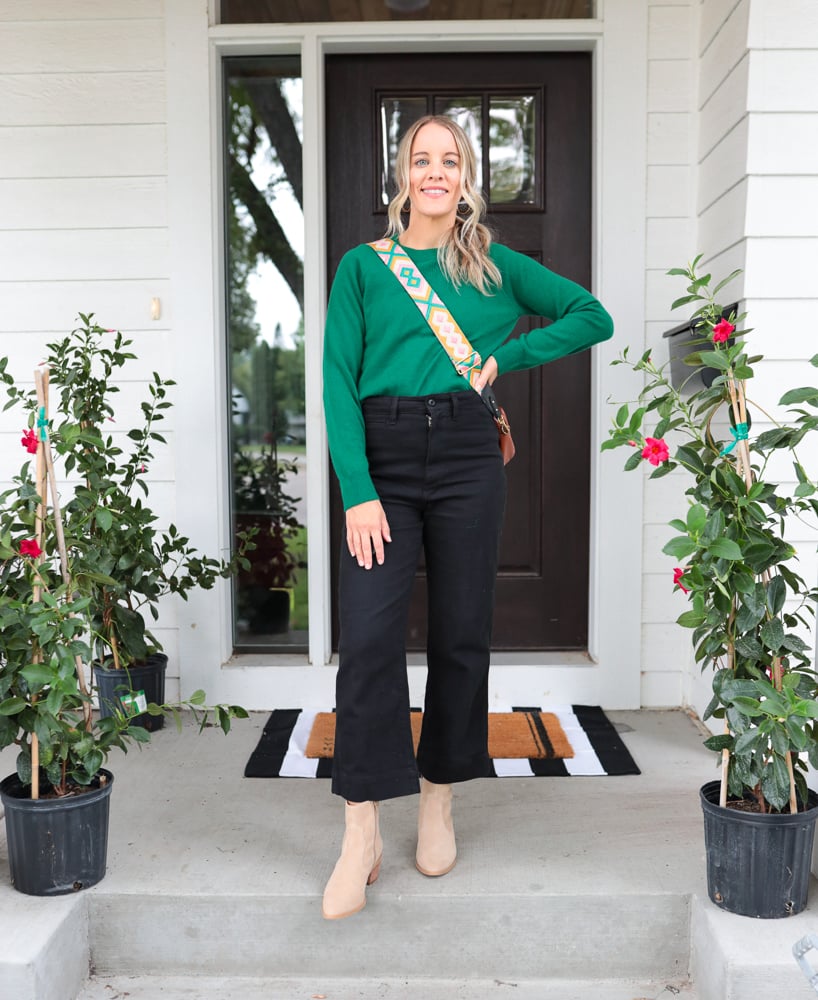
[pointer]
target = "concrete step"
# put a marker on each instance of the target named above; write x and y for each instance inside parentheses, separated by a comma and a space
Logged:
(452, 935)
(378, 988)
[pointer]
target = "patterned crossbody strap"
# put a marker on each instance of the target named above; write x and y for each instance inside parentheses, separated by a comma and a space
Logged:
(445, 327)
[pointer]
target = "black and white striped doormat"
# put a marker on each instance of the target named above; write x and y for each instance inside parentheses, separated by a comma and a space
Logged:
(598, 748)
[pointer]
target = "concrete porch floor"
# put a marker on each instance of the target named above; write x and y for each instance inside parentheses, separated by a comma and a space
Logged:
(564, 887)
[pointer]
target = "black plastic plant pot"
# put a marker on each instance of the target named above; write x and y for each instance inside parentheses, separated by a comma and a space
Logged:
(758, 864)
(58, 845)
(148, 677)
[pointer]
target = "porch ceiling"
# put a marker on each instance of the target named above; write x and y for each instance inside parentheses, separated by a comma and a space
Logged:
(298, 11)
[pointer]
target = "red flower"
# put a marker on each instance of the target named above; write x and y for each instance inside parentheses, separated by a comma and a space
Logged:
(29, 547)
(678, 573)
(722, 331)
(655, 451)
(29, 441)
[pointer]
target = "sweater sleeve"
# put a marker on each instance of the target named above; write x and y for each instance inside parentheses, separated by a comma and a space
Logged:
(579, 320)
(343, 357)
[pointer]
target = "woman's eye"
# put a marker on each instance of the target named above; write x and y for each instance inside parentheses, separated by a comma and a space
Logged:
(450, 163)
(421, 163)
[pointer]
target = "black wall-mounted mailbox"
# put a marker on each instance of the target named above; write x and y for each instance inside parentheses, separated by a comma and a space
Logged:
(684, 339)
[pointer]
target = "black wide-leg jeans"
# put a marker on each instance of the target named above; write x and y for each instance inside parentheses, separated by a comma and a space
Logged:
(438, 470)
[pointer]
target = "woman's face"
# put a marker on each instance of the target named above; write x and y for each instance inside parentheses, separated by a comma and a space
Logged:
(434, 173)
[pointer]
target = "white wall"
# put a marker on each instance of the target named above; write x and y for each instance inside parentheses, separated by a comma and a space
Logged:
(83, 200)
(670, 242)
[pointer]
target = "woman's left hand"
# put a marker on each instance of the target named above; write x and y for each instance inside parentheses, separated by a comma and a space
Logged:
(487, 375)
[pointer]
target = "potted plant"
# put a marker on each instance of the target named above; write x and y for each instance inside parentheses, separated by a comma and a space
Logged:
(56, 803)
(133, 562)
(748, 607)
(265, 512)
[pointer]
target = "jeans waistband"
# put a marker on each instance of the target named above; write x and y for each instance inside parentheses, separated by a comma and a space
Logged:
(439, 402)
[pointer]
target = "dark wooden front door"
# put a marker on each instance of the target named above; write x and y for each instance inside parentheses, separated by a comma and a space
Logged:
(531, 113)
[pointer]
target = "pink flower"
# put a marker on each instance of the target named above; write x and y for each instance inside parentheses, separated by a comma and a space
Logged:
(722, 331)
(678, 573)
(655, 451)
(29, 441)
(632, 443)
(29, 547)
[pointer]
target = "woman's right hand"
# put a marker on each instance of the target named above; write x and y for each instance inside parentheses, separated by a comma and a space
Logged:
(367, 530)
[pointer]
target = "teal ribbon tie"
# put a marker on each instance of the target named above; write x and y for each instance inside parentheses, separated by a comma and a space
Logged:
(740, 433)
(42, 424)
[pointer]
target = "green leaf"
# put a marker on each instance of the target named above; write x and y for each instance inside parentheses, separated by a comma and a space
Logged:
(696, 519)
(776, 595)
(775, 783)
(772, 634)
(633, 461)
(11, 706)
(104, 518)
(38, 675)
(804, 395)
(680, 547)
(720, 742)
(724, 548)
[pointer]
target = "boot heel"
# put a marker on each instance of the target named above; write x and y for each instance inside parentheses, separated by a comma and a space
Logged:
(373, 875)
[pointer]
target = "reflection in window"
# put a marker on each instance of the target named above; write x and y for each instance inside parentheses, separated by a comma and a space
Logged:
(264, 238)
(468, 113)
(512, 150)
(397, 114)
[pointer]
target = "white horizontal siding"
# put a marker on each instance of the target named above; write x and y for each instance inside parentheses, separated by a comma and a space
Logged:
(670, 189)
(784, 329)
(724, 108)
(723, 221)
(782, 143)
(52, 151)
(83, 203)
(82, 98)
(73, 46)
(80, 254)
(670, 136)
(52, 305)
(80, 10)
(791, 24)
(670, 32)
(713, 16)
(720, 56)
(723, 166)
(782, 268)
(153, 349)
(783, 80)
(782, 206)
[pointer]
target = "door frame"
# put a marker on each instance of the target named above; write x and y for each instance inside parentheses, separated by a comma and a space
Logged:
(610, 673)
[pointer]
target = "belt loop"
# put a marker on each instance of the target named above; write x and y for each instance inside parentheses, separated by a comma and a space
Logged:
(454, 405)
(393, 410)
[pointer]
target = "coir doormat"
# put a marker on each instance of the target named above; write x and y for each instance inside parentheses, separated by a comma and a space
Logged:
(525, 742)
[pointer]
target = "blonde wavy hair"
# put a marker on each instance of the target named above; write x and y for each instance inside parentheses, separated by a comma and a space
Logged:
(464, 253)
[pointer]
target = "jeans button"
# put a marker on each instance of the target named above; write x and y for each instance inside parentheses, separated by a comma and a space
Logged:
(431, 402)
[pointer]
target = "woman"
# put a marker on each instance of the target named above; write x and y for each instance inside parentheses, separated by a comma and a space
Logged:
(416, 453)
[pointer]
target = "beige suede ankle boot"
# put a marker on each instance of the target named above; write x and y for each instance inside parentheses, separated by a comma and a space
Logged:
(359, 864)
(437, 851)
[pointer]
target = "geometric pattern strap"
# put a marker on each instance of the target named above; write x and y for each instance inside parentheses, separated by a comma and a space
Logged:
(444, 326)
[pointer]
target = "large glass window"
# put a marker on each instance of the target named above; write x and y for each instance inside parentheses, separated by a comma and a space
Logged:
(264, 228)
(293, 11)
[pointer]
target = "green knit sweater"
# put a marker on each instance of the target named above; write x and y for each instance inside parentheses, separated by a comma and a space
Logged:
(377, 343)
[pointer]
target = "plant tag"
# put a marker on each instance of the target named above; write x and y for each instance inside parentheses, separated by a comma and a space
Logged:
(134, 703)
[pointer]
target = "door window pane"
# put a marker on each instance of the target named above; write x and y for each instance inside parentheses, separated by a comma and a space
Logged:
(396, 115)
(264, 236)
(512, 150)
